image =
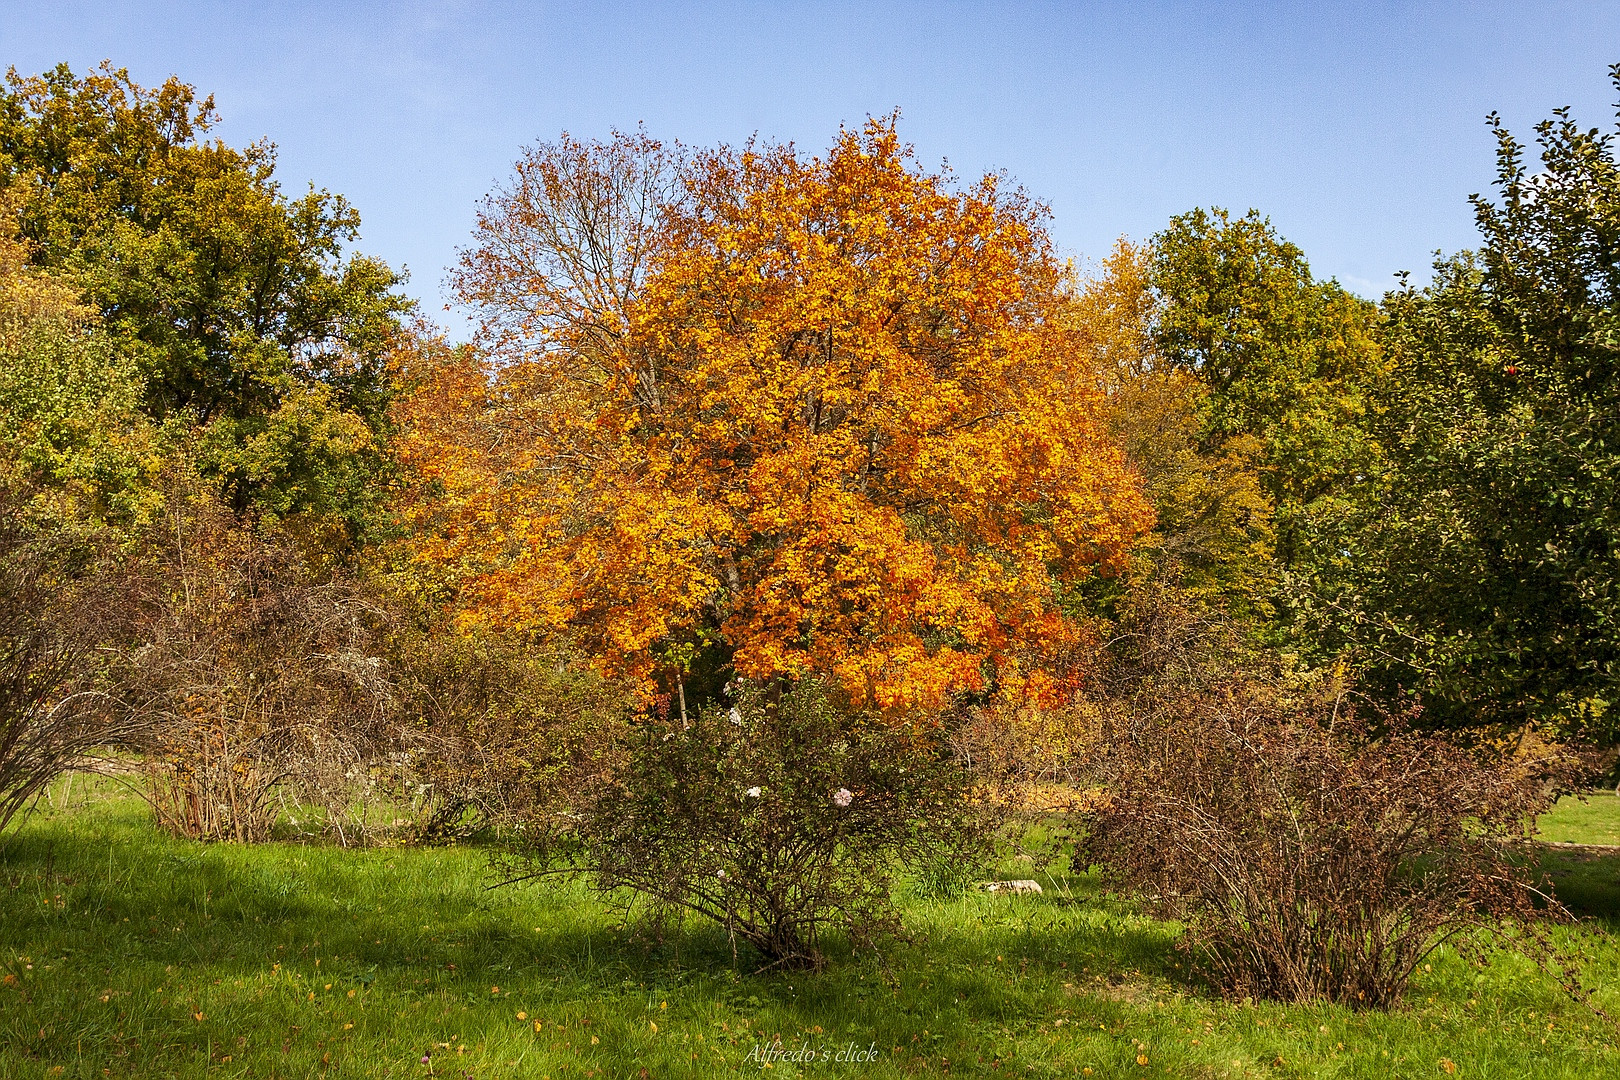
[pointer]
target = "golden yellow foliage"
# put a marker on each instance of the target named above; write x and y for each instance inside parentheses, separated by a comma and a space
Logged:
(1214, 533)
(837, 421)
(28, 297)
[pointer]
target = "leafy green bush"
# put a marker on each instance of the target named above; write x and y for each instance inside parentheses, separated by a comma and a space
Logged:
(778, 817)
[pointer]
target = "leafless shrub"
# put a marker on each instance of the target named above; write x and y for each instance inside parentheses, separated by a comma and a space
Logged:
(500, 732)
(1032, 760)
(252, 678)
(1313, 853)
(57, 601)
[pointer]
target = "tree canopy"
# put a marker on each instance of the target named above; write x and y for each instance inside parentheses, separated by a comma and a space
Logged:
(235, 303)
(1486, 574)
(1287, 360)
(813, 415)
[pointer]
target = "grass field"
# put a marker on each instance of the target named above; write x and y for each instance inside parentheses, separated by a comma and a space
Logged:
(1594, 819)
(126, 953)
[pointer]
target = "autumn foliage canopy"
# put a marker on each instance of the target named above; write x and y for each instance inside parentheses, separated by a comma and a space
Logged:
(827, 415)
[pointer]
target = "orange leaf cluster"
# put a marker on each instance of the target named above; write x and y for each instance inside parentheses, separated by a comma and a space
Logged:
(831, 418)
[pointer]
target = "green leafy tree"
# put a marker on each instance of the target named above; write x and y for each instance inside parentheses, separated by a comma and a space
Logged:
(1287, 361)
(1212, 533)
(71, 431)
(236, 303)
(1488, 574)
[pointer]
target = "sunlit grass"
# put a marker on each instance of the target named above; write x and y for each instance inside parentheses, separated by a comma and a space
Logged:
(1591, 818)
(127, 953)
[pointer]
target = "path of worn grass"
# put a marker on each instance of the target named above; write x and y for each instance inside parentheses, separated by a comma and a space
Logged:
(126, 953)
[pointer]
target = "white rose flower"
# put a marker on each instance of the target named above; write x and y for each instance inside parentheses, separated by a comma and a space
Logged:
(843, 797)
(752, 793)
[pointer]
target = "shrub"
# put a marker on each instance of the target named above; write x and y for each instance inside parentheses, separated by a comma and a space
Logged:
(57, 601)
(253, 677)
(1311, 853)
(778, 817)
(499, 732)
(1032, 758)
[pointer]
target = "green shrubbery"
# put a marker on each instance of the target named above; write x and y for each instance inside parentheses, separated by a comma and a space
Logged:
(780, 816)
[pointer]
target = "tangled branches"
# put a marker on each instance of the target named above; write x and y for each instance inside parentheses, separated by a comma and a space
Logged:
(1313, 853)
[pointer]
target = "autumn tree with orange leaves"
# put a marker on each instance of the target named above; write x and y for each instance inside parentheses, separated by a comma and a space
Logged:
(769, 414)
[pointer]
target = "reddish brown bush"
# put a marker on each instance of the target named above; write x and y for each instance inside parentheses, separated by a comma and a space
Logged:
(1312, 854)
(253, 679)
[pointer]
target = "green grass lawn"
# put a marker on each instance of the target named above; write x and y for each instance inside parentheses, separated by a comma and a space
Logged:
(1593, 818)
(127, 953)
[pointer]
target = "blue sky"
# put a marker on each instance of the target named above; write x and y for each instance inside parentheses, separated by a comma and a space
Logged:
(1357, 127)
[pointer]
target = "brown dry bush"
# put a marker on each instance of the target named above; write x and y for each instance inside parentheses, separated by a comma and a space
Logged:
(1314, 853)
(500, 733)
(254, 678)
(58, 593)
(1032, 760)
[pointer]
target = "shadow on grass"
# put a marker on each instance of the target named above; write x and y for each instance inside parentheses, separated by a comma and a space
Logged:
(118, 886)
(126, 952)
(1587, 881)
(156, 950)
